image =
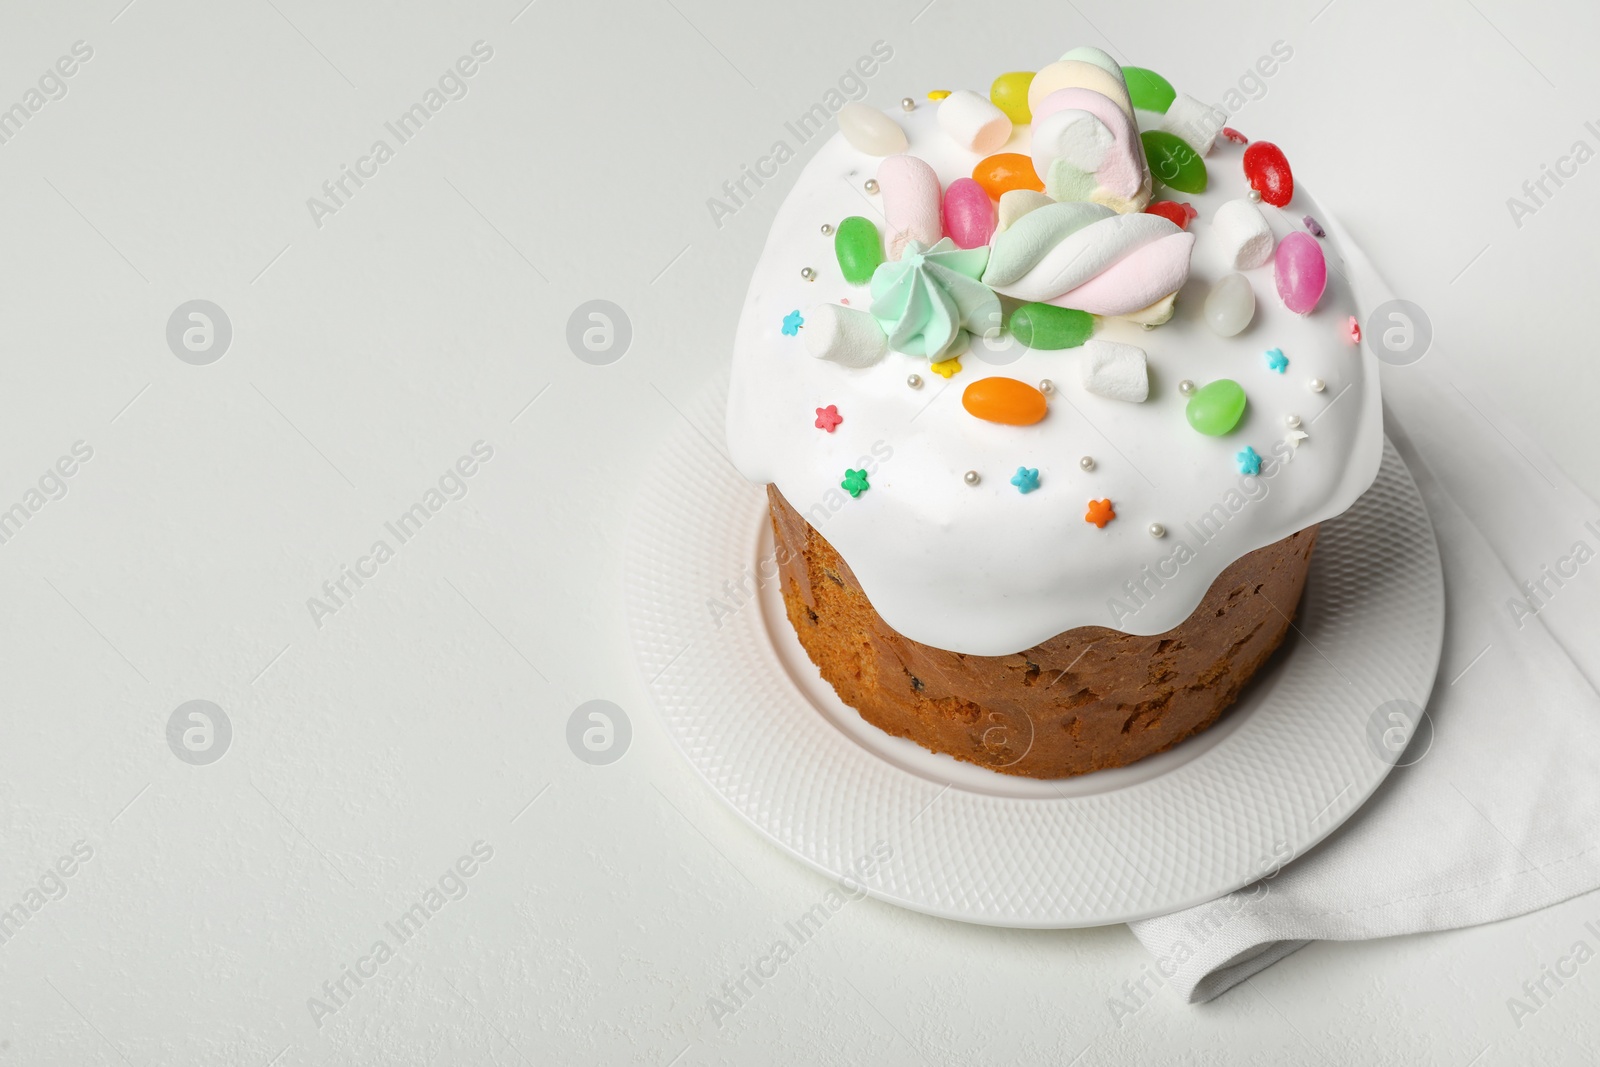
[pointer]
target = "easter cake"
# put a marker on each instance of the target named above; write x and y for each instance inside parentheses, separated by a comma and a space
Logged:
(1050, 388)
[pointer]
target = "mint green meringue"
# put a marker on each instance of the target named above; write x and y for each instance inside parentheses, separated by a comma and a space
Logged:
(930, 300)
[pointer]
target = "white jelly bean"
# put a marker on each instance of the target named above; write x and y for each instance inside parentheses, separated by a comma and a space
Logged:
(870, 130)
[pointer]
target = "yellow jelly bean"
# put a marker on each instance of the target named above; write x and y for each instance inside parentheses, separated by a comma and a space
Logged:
(1004, 172)
(1010, 94)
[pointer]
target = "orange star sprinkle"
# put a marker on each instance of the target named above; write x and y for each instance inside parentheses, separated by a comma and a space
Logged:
(1100, 513)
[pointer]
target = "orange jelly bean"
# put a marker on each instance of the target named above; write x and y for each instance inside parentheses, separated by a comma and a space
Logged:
(1004, 400)
(1005, 172)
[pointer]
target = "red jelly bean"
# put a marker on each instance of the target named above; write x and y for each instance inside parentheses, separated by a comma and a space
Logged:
(1172, 211)
(1268, 173)
(1234, 135)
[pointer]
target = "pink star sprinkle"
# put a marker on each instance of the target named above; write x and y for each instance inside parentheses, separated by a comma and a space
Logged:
(828, 418)
(1353, 328)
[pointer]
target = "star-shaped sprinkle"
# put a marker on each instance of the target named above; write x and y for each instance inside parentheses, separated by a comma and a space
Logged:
(828, 418)
(1026, 479)
(1314, 227)
(1234, 135)
(945, 368)
(1276, 360)
(792, 323)
(1295, 437)
(1249, 461)
(855, 482)
(1353, 328)
(1100, 512)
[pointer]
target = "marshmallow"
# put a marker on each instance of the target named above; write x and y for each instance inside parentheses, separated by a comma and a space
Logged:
(1197, 123)
(870, 130)
(1115, 371)
(1242, 231)
(1086, 256)
(1075, 136)
(973, 122)
(846, 336)
(1099, 57)
(1015, 203)
(1078, 74)
(911, 194)
(1099, 145)
(1156, 314)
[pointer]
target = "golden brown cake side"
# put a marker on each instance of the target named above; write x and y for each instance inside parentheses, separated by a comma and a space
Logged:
(1085, 700)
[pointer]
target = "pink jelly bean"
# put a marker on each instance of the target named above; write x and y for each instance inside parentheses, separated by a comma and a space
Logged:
(1301, 272)
(968, 214)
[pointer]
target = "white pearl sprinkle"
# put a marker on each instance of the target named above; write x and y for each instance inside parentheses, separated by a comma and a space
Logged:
(1186, 387)
(807, 273)
(1292, 421)
(1047, 387)
(908, 104)
(1157, 530)
(1317, 385)
(1255, 196)
(827, 228)
(971, 478)
(872, 185)
(914, 380)
(1087, 463)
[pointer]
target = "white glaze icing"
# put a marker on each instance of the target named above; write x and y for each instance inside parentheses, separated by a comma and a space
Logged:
(986, 570)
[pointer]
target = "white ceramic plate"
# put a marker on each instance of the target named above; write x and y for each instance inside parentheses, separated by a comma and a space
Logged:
(1301, 751)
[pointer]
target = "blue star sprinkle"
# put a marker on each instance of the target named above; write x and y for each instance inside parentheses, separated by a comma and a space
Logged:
(1276, 360)
(792, 323)
(1026, 479)
(1249, 461)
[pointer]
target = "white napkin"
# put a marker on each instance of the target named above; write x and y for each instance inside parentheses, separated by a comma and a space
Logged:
(1501, 815)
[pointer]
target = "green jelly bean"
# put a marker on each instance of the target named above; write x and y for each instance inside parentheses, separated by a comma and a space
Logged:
(859, 249)
(1215, 409)
(1047, 327)
(1173, 162)
(1149, 90)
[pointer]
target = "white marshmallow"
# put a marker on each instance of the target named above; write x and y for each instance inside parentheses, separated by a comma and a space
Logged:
(1242, 231)
(974, 122)
(1115, 371)
(1197, 123)
(846, 336)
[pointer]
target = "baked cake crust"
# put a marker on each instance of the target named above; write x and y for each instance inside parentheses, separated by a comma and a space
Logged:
(1087, 699)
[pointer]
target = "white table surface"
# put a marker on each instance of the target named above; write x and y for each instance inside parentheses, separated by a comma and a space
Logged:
(369, 753)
